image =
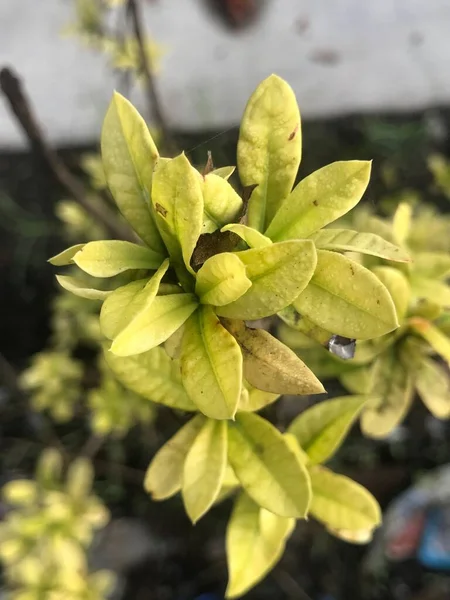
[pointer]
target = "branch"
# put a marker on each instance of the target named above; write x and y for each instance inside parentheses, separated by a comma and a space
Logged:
(152, 95)
(20, 106)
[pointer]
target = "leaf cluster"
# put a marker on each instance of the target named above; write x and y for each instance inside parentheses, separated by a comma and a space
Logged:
(209, 261)
(47, 531)
(413, 359)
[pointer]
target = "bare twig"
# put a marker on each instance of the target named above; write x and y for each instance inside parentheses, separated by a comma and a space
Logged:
(152, 95)
(20, 106)
(92, 446)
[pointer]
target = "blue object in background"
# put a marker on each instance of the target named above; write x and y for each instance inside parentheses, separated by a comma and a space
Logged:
(434, 551)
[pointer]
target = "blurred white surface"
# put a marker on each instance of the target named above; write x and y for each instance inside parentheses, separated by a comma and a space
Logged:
(340, 56)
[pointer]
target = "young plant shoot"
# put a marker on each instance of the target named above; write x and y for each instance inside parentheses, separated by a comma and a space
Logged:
(205, 262)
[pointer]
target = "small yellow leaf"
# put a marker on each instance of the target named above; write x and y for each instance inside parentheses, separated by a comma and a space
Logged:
(353, 302)
(433, 385)
(252, 237)
(129, 156)
(398, 286)
(321, 429)
(269, 148)
(109, 258)
(125, 303)
(204, 469)
(319, 199)
(20, 492)
(437, 340)
(392, 393)
(342, 504)
(164, 476)
(152, 375)
(154, 325)
(432, 290)
(401, 223)
(211, 365)
(66, 256)
(271, 366)
(225, 172)
(266, 467)
(178, 204)
(222, 279)
(78, 288)
(255, 542)
(222, 204)
(345, 240)
(279, 273)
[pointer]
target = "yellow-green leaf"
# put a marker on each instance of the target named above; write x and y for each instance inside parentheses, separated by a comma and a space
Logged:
(279, 273)
(222, 279)
(266, 466)
(437, 340)
(321, 429)
(340, 503)
(252, 399)
(164, 476)
(432, 265)
(109, 258)
(125, 303)
(73, 285)
(269, 148)
(252, 237)
(271, 366)
(155, 324)
(66, 256)
(178, 202)
(211, 365)
(347, 299)
(434, 291)
(357, 381)
(255, 542)
(225, 172)
(152, 375)
(346, 240)
(398, 286)
(433, 385)
(392, 393)
(121, 307)
(129, 156)
(319, 199)
(20, 492)
(204, 469)
(401, 223)
(222, 204)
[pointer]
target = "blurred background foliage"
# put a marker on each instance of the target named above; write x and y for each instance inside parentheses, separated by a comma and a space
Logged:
(56, 391)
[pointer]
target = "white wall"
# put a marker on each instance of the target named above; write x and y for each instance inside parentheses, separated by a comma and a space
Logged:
(352, 55)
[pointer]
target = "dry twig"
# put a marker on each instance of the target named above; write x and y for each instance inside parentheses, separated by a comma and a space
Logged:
(20, 106)
(152, 95)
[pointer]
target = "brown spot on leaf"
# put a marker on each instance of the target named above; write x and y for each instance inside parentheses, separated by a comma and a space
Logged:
(160, 209)
(352, 269)
(315, 203)
(378, 302)
(293, 134)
